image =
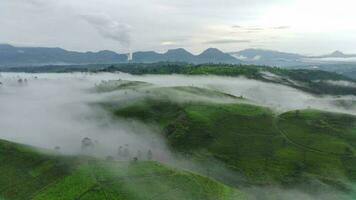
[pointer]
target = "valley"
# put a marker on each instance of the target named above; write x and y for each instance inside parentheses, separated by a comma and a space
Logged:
(210, 137)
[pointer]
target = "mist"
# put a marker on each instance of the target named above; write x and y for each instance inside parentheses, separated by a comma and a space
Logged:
(48, 110)
(275, 96)
(56, 109)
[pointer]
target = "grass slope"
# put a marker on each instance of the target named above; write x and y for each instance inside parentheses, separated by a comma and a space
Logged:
(266, 148)
(29, 174)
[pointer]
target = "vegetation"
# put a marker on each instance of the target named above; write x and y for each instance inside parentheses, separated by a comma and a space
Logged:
(28, 174)
(307, 80)
(312, 81)
(268, 149)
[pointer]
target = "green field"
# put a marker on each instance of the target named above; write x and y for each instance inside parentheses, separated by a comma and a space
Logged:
(27, 173)
(305, 147)
(238, 145)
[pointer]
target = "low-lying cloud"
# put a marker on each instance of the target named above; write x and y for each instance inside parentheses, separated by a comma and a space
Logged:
(57, 110)
(49, 110)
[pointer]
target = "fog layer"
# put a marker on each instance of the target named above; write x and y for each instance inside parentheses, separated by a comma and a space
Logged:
(51, 110)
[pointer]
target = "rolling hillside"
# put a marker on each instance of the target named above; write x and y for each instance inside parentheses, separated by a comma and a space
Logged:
(26, 173)
(294, 149)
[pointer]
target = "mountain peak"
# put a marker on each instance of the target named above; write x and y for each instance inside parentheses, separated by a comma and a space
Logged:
(6, 46)
(212, 51)
(214, 55)
(178, 51)
(337, 54)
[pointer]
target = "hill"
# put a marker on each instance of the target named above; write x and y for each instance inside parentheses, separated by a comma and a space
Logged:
(312, 81)
(299, 149)
(211, 55)
(336, 54)
(269, 57)
(29, 56)
(26, 173)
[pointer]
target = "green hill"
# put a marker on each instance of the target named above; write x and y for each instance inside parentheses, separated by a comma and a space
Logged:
(311, 81)
(27, 173)
(267, 148)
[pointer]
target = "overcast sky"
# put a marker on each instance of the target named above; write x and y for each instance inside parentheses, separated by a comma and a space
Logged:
(302, 26)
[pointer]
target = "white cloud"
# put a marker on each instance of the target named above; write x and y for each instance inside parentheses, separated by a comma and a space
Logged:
(56, 23)
(168, 43)
(109, 28)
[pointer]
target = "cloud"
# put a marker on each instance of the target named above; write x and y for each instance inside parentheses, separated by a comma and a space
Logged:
(168, 43)
(109, 28)
(281, 27)
(32, 2)
(227, 41)
(258, 28)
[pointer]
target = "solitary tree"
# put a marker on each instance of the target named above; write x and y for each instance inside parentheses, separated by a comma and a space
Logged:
(57, 149)
(87, 145)
(126, 152)
(149, 155)
(120, 152)
(297, 112)
(139, 155)
(109, 158)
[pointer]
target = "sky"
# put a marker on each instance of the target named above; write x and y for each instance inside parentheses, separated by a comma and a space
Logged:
(301, 26)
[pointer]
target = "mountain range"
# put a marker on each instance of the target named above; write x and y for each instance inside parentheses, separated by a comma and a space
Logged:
(29, 56)
(32, 56)
(283, 59)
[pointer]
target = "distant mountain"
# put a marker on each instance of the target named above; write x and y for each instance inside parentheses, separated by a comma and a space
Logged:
(270, 54)
(210, 55)
(179, 55)
(268, 57)
(172, 55)
(11, 56)
(213, 55)
(20, 56)
(146, 57)
(31, 56)
(336, 54)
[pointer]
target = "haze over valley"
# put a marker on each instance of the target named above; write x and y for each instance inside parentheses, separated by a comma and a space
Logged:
(177, 100)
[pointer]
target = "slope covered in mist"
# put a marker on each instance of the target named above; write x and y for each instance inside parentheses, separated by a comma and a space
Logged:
(301, 149)
(266, 139)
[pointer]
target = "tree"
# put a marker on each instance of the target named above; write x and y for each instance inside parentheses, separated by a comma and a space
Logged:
(87, 145)
(348, 153)
(57, 149)
(298, 170)
(126, 153)
(109, 158)
(120, 152)
(139, 155)
(297, 112)
(149, 155)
